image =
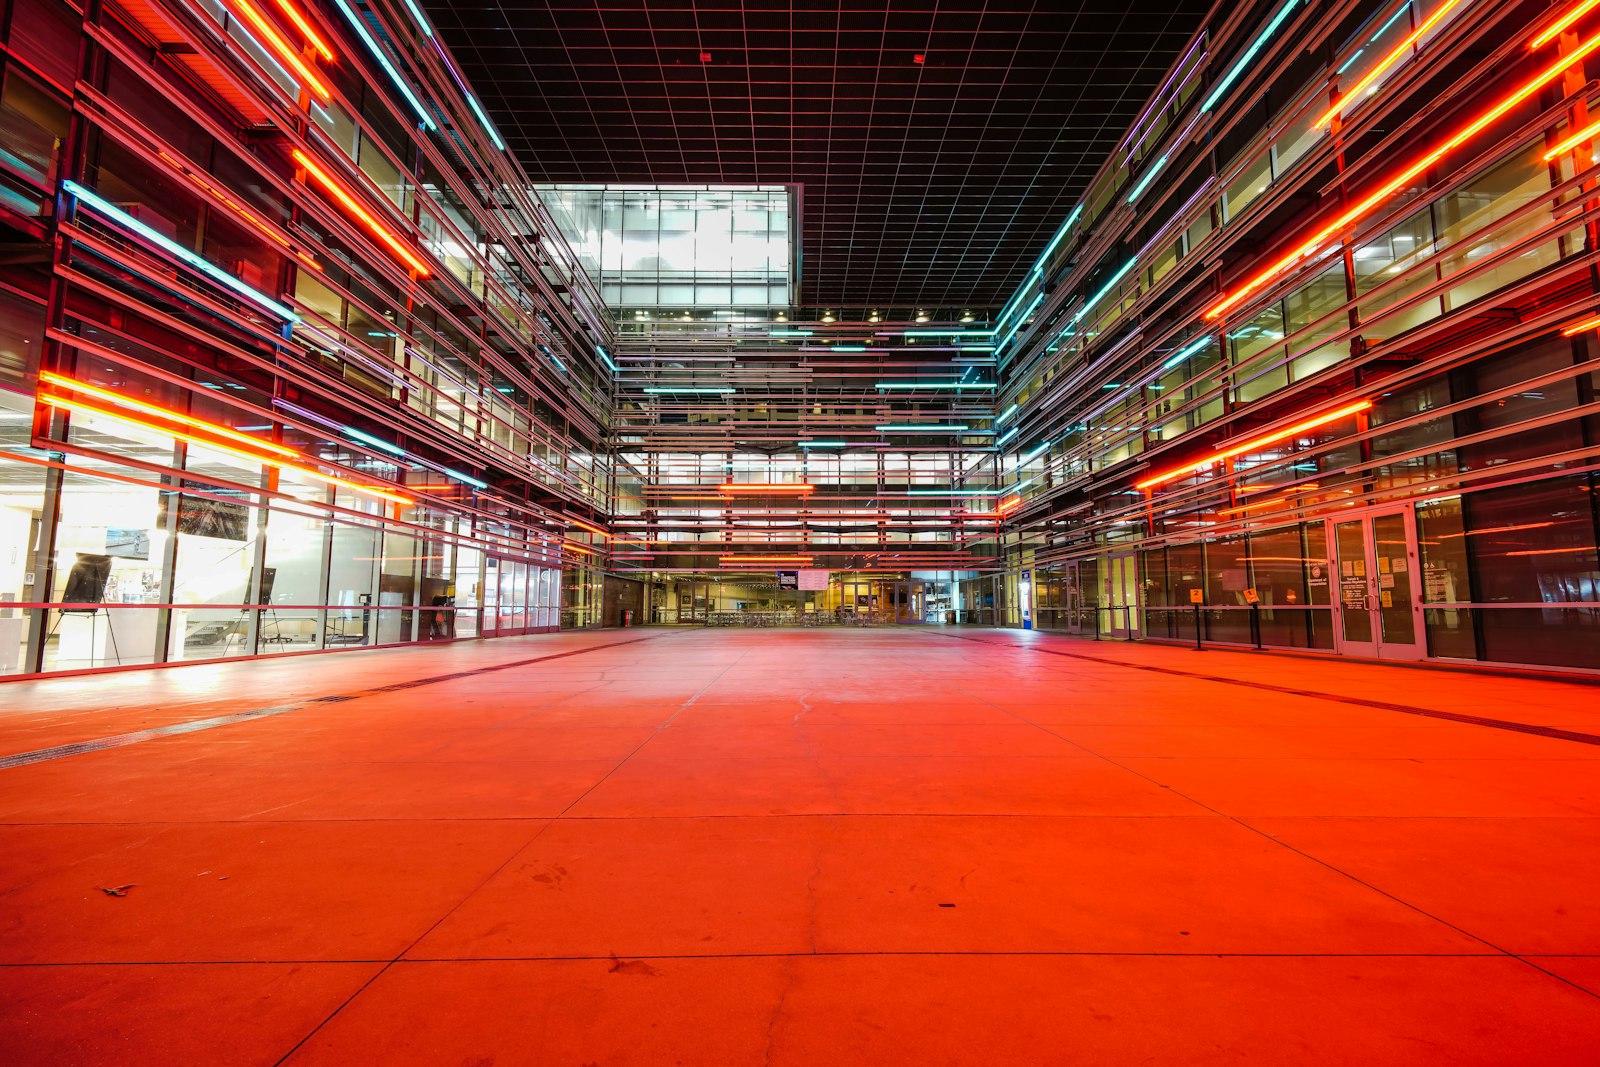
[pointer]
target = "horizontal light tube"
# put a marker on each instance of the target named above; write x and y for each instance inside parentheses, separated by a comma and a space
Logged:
(1350, 96)
(63, 381)
(935, 385)
(337, 190)
(1255, 443)
(205, 442)
(655, 389)
(910, 427)
(1337, 226)
(360, 26)
(172, 248)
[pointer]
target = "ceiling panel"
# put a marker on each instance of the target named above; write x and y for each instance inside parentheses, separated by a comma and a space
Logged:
(930, 183)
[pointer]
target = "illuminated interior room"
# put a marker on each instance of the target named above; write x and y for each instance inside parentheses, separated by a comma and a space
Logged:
(965, 532)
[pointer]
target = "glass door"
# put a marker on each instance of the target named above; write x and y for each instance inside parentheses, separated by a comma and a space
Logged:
(1375, 558)
(1122, 596)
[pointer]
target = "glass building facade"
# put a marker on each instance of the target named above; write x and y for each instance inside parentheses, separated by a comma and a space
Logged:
(294, 357)
(1315, 353)
(280, 368)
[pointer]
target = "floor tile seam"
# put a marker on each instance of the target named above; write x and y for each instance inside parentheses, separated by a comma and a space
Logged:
(516, 819)
(1528, 960)
(1240, 822)
(1405, 709)
(24, 759)
(821, 953)
(511, 855)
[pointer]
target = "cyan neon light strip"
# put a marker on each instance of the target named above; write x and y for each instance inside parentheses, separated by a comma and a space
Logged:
(1016, 301)
(469, 479)
(357, 24)
(1187, 351)
(1038, 266)
(1401, 10)
(1104, 289)
(605, 357)
(789, 333)
(416, 13)
(375, 442)
(947, 333)
(1036, 453)
(823, 444)
(846, 348)
(1249, 53)
(689, 389)
(172, 248)
(917, 427)
(952, 492)
(1015, 326)
(1008, 435)
(483, 120)
(1149, 176)
(934, 385)
(1006, 414)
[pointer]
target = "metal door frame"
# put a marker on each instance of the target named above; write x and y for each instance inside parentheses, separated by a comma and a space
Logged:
(1377, 647)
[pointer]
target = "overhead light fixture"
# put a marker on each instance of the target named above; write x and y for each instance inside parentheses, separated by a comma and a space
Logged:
(966, 316)
(827, 316)
(874, 317)
(922, 316)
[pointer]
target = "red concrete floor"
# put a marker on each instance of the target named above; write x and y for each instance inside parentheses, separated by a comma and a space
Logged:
(712, 847)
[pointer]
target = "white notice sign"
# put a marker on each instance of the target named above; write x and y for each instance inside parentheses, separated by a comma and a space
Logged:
(814, 580)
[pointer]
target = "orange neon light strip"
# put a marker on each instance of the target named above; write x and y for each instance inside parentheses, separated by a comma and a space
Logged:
(206, 442)
(285, 51)
(1253, 444)
(1552, 31)
(1586, 324)
(573, 546)
(587, 526)
(308, 31)
(765, 487)
(354, 206)
(1317, 240)
(765, 559)
(1585, 134)
(1387, 61)
(163, 413)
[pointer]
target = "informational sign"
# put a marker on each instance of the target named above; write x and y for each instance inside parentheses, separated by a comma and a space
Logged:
(1252, 597)
(788, 579)
(815, 581)
(1197, 596)
(1025, 588)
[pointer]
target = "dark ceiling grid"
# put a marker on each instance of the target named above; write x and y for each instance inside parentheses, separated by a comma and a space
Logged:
(930, 184)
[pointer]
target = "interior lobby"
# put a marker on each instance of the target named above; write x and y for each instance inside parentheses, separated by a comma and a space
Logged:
(687, 532)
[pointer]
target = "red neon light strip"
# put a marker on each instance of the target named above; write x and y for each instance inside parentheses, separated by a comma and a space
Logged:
(1315, 243)
(1255, 443)
(765, 559)
(78, 405)
(354, 206)
(285, 51)
(1387, 61)
(163, 413)
(1554, 29)
(307, 31)
(765, 487)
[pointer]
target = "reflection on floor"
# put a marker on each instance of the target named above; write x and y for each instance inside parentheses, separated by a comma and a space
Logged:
(800, 847)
